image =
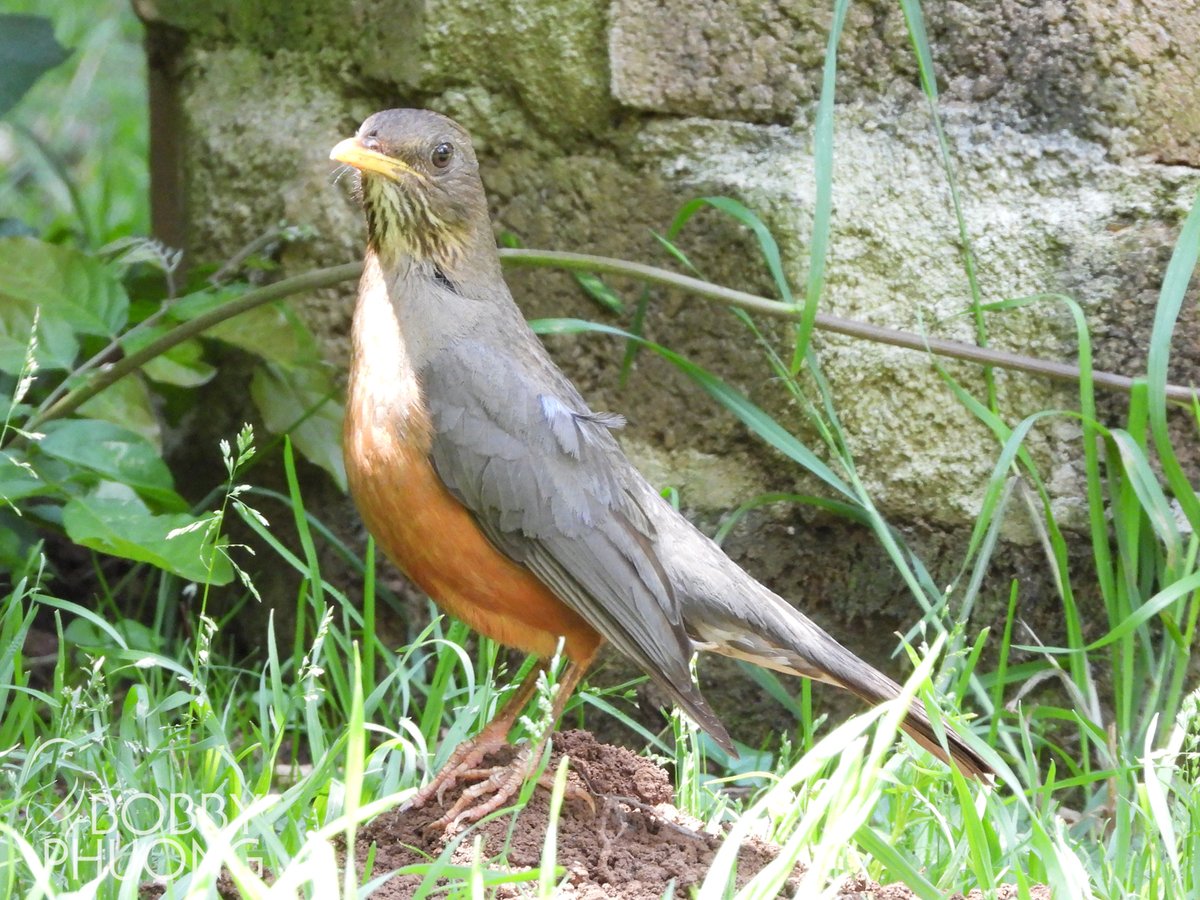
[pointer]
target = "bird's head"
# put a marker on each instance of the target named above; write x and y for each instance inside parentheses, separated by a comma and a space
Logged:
(420, 185)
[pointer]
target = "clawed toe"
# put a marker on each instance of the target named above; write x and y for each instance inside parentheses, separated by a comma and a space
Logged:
(460, 767)
(494, 787)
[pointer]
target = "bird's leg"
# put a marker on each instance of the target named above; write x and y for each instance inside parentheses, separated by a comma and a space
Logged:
(471, 752)
(504, 782)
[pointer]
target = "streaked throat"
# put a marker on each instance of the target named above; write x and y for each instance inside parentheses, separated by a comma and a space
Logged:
(402, 222)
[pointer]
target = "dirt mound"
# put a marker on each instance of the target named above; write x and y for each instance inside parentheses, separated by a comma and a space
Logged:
(635, 845)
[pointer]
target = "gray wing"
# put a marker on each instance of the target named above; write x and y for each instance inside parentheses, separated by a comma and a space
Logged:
(552, 490)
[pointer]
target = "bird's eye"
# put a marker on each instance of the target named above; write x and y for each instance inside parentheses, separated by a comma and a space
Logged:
(442, 155)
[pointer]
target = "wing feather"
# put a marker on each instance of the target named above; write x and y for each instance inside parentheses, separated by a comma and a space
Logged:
(548, 485)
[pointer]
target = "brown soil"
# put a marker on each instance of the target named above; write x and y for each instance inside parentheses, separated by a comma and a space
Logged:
(635, 845)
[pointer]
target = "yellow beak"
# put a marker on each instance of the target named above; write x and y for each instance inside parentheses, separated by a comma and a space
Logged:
(352, 153)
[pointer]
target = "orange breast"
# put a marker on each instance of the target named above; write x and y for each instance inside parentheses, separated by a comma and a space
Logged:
(426, 532)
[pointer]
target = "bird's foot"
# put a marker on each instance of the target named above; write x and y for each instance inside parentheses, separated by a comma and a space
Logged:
(463, 761)
(492, 788)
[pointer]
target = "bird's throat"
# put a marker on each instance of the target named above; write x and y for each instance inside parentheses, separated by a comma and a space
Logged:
(401, 224)
(384, 395)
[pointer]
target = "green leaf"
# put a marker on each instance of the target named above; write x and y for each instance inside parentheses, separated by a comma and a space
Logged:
(183, 365)
(745, 216)
(1166, 314)
(123, 526)
(600, 292)
(201, 301)
(678, 255)
(127, 252)
(56, 346)
(65, 283)
(75, 293)
(1161, 601)
(114, 453)
(134, 635)
(28, 50)
(272, 332)
(302, 402)
(823, 177)
(128, 403)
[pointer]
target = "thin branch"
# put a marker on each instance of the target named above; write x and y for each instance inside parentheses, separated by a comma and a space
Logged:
(987, 356)
(309, 281)
(601, 265)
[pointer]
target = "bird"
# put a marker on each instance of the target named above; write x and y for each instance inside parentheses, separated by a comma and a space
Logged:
(481, 471)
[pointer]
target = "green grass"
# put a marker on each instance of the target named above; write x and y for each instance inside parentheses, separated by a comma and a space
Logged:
(160, 754)
(146, 746)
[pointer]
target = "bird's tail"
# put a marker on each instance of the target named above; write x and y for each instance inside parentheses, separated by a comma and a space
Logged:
(786, 640)
(875, 687)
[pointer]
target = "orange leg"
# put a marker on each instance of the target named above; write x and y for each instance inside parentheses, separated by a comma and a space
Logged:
(502, 783)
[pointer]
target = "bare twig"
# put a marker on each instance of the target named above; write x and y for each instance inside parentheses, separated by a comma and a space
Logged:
(602, 265)
(318, 278)
(987, 356)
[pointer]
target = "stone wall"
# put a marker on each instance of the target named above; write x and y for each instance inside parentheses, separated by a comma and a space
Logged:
(1074, 128)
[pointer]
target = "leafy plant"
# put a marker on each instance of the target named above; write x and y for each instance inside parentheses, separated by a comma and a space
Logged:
(80, 133)
(94, 468)
(81, 450)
